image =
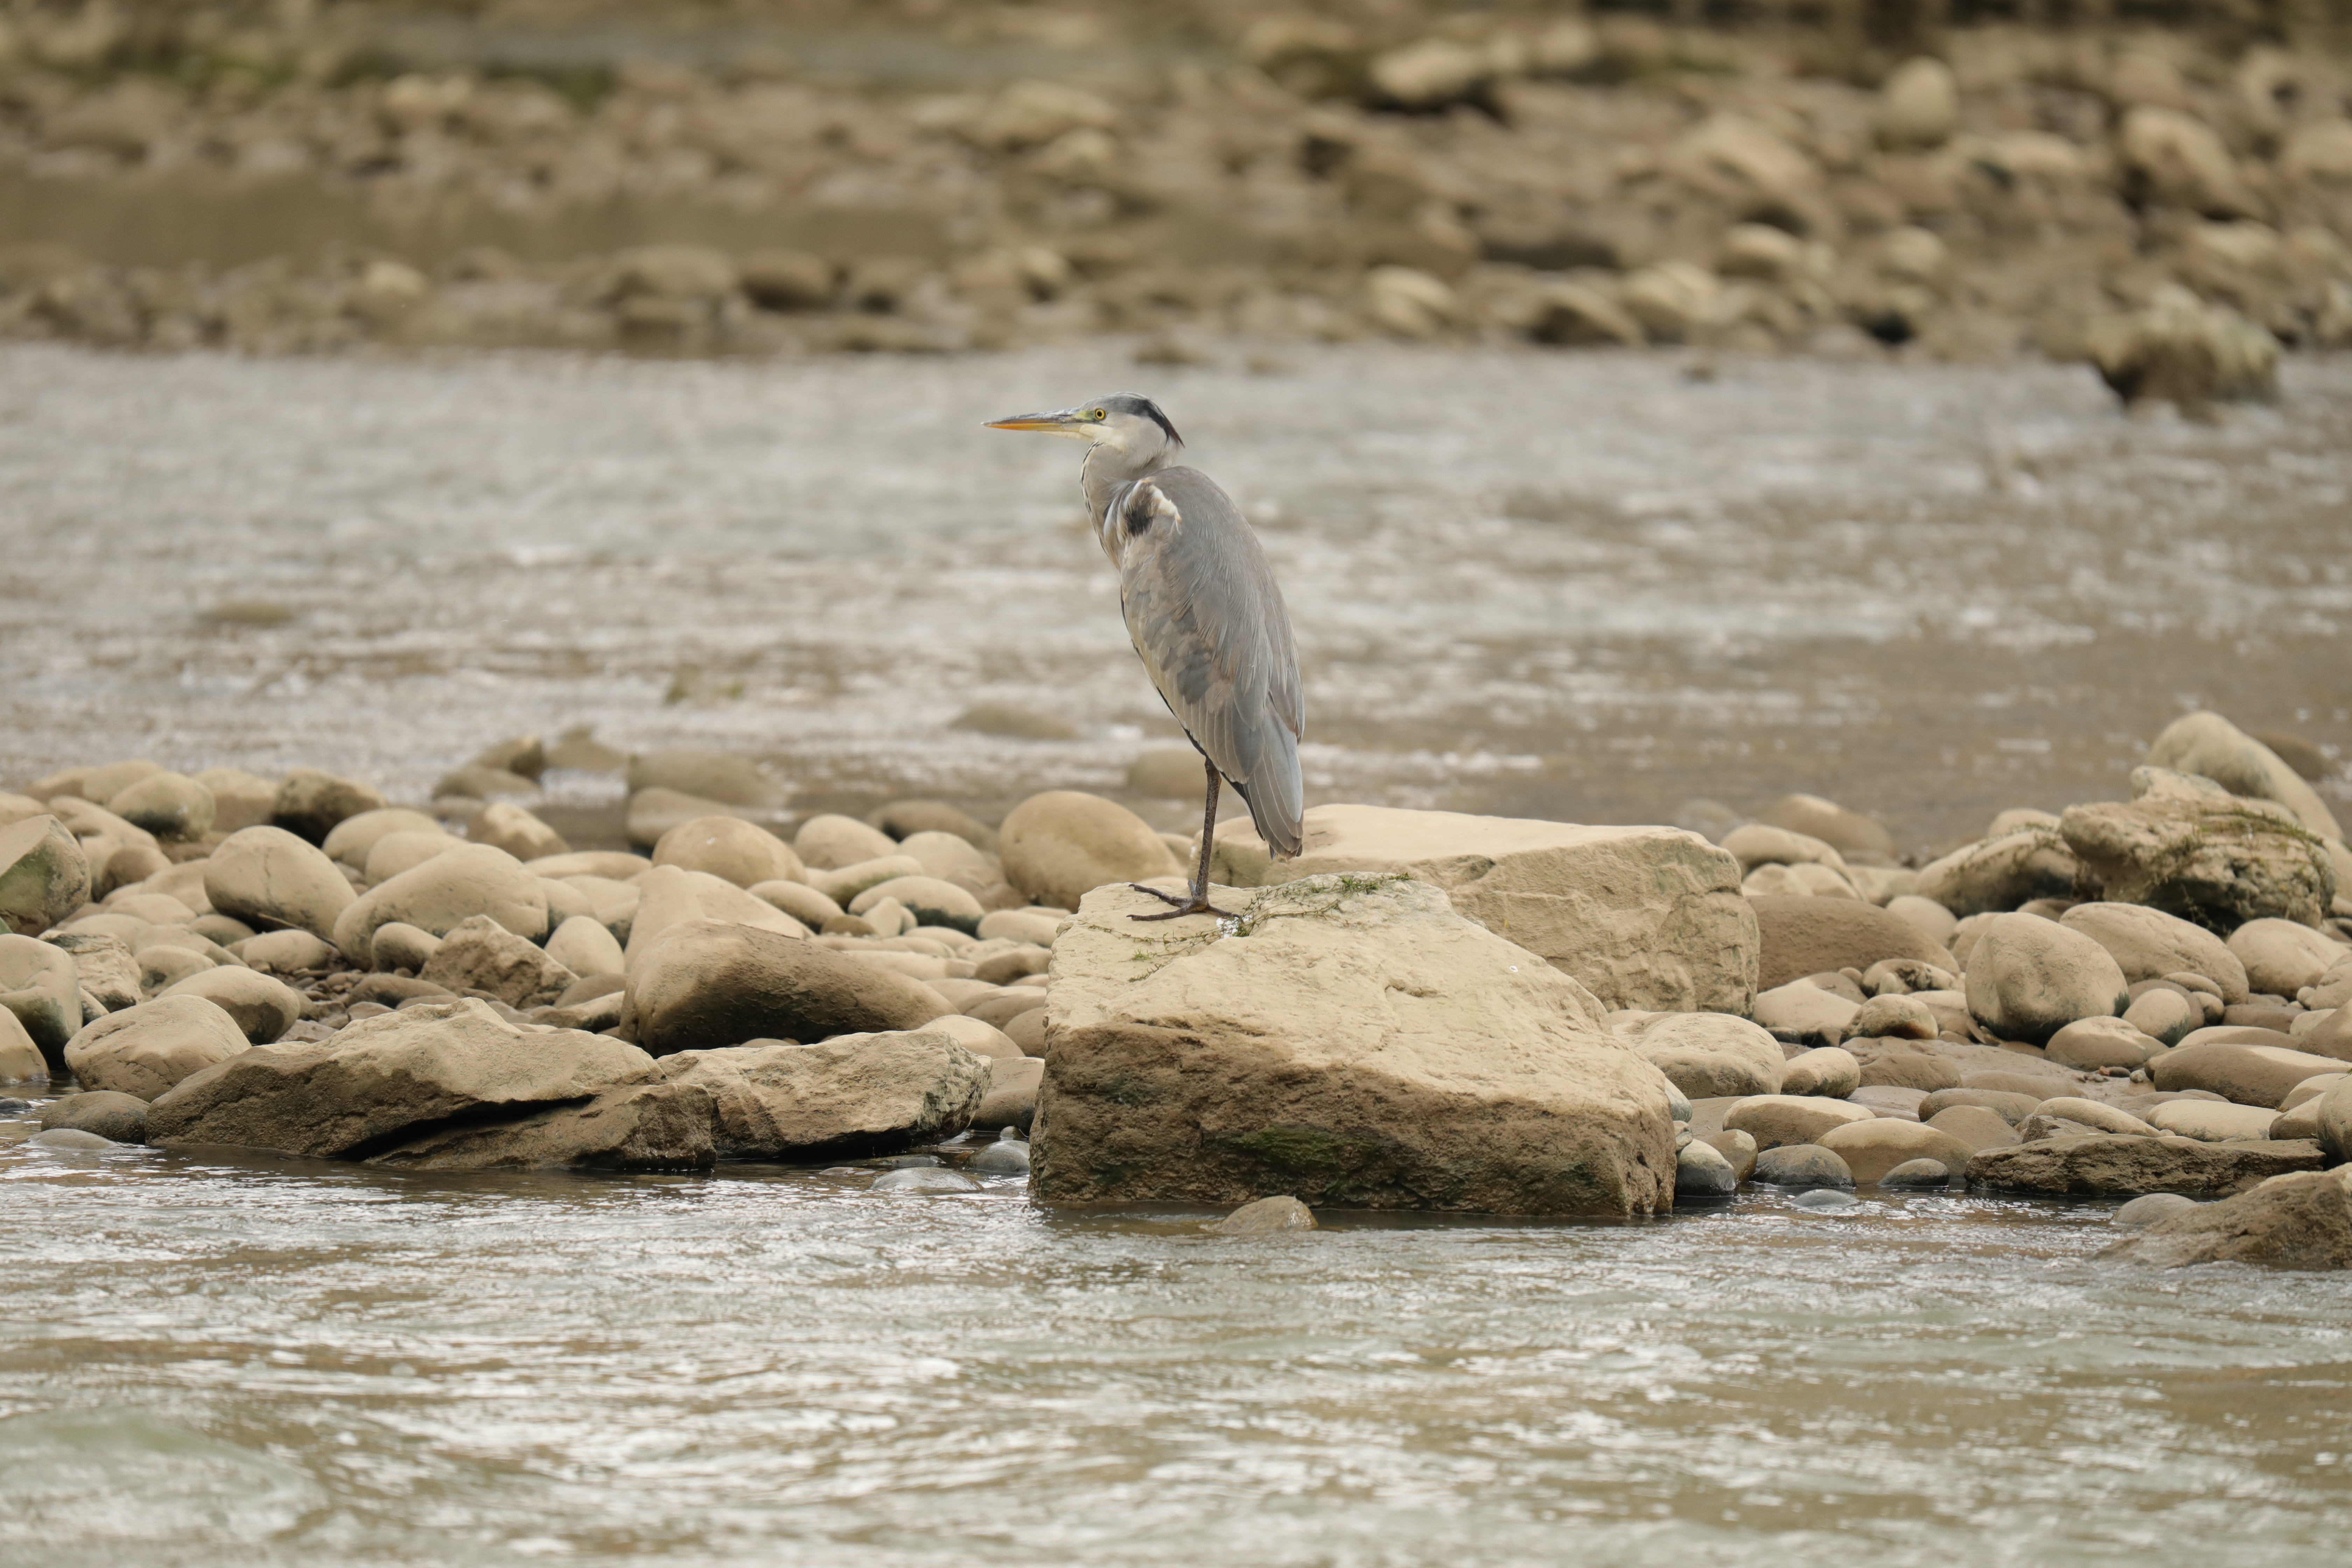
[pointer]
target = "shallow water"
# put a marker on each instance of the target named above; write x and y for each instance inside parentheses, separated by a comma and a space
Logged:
(1581, 586)
(204, 1362)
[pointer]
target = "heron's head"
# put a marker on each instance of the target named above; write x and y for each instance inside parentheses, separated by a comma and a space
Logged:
(1131, 425)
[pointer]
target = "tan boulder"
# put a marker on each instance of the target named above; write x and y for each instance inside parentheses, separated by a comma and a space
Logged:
(2212, 747)
(44, 876)
(2188, 847)
(1827, 1072)
(1979, 1127)
(2281, 957)
(173, 807)
(1705, 1055)
(268, 878)
(850, 1098)
(479, 954)
(445, 891)
(1995, 875)
(2302, 1221)
(730, 848)
(261, 1007)
(2149, 944)
(240, 799)
(672, 896)
(2104, 1165)
(635, 1127)
(351, 839)
(1802, 936)
(712, 775)
(41, 989)
(146, 1049)
(505, 825)
(706, 984)
(20, 1059)
(1646, 918)
(1773, 1119)
(310, 803)
(2244, 1075)
(398, 852)
(2211, 1123)
(2095, 1114)
(828, 842)
(1871, 1149)
(844, 884)
(1354, 1042)
(2029, 977)
(1060, 845)
(2087, 1045)
(384, 1080)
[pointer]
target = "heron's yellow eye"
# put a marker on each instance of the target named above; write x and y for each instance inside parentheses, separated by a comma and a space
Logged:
(1100, 414)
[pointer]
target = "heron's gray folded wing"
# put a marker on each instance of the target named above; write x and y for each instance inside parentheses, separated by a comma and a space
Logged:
(1209, 623)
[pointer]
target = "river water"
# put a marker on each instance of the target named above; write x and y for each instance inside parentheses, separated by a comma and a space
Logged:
(1575, 587)
(210, 1364)
(1584, 587)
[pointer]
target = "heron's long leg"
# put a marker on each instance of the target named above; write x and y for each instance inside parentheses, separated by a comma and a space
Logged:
(1198, 904)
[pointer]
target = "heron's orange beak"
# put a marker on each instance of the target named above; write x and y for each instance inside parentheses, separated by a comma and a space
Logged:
(1066, 423)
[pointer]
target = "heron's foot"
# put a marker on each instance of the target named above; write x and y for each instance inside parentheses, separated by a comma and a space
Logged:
(1196, 904)
(1189, 908)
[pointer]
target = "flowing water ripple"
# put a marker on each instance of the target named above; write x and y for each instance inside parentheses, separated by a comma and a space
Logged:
(212, 1360)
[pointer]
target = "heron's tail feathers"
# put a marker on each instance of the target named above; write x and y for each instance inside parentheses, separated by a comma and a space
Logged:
(1276, 799)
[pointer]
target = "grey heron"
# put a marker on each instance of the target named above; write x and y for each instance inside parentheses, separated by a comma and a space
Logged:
(1203, 611)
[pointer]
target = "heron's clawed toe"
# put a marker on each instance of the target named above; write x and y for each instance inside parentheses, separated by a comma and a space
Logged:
(1164, 898)
(1183, 908)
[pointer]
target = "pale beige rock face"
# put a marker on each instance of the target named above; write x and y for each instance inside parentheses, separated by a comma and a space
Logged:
(1871, 1149)
(852, 1096)
(1773, 1119)
(2104, 1165)
(145, 1051)
(267, 877)
(240, 799)
(1706, 1054)
(1642, 917)
(453, 887)
(2335, 1122)
(1059, 845)
(2149, 944)
(1356, 1042)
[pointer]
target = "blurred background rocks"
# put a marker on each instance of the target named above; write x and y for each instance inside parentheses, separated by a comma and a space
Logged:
(2163, 191)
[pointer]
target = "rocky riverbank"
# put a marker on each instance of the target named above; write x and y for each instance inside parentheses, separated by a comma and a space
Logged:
(2172, 210)
(1426, 1010)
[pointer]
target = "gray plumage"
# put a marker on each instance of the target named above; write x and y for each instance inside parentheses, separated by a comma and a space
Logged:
(1202, 606)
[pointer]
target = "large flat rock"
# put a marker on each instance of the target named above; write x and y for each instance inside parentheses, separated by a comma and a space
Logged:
(1351, 1042)
(2107, 1166)
(1644, 917)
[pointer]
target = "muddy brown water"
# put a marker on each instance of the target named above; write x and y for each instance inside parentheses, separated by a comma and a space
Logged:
(1579, 586)
(1586, 587)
